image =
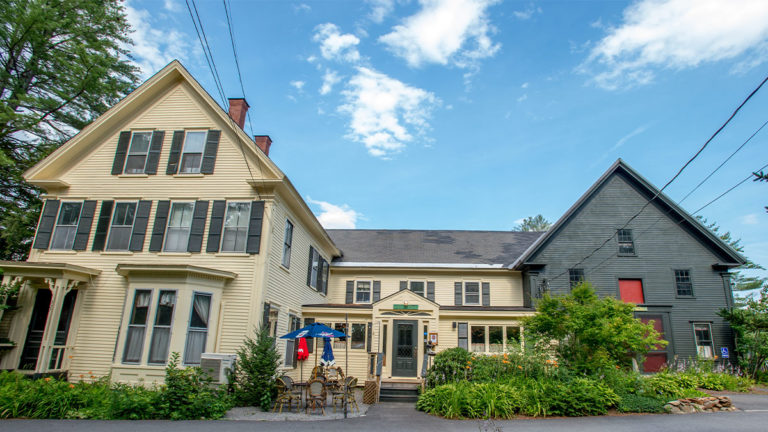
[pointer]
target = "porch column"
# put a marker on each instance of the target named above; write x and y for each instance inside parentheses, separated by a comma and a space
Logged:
(59, 288)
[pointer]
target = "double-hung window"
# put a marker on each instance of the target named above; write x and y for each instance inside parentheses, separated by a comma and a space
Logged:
(363, 292)
(161, 332)
(358, 336)
(137, 326)
(704, 345)
(66, 226)
(287, 242)
(472, 293)
(290, 345)
(417, 287)
(192, 154)
(179, 224)
(314, 268)
(683, 283)
(626, 244)
(575, 276)
(197, 334)
(235, 233)
(136, 161)
(122, 225)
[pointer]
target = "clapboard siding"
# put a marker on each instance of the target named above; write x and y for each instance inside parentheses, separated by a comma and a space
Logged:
(662, 246)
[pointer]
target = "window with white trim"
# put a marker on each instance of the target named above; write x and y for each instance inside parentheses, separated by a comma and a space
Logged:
(477, 335)
(197, 333)
(363, 291)
(683, 283)
(471, 293)
(417, 287)
(136, 160)
(705, 347)
(137, 326)
(626, 243)
(235, 233)
(287, 242)
(161, 332)
(192, 153)
(179, 225)
(315, 265)
(121, 227)
(357, 339)
(66, 225)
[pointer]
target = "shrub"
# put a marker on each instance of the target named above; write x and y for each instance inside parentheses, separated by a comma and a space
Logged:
(134, 403)
(578, 397)
(635, 403)
(188, 394)
(671, 386)
(725, 381)
(451, 365)
(256, 371)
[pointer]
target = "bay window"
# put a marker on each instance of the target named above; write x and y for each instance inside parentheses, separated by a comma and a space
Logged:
(137, 326)
(197, 334)
(161, 332)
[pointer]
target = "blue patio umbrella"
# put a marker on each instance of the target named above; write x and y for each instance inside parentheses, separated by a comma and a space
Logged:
(314, 330)
(327, 358)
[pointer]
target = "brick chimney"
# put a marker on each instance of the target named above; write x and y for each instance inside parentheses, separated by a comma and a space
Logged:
(263, 142)
(238, 107)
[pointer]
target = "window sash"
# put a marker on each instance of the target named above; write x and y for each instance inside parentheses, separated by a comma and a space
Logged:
(463, 333)
(179, 226)
(137, 153)
(575, 276)
(197, 332)
(477, 338)
(137, 326)
(357, 336)
(513, 335)
(683, 283)
(123, 217)
(235, 233)
(705, 346)
(417, 287)
(472, 293)
(287, 242)
(495, 338)
(626, 244)
(161, 331)
(315, 265)
(192, 153)
(66, 226)
(363, 292)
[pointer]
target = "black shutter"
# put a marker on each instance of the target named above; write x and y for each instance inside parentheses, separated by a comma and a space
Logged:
(265, 317)
(209, 154)
(84, 225)
(173, 158)
(309, 270)
(217, 223)
(376, 291)
(431, 291)
(253, 243)
(350, 292)
(153, 157)
(403, 285)
(310, 340)
(140, 226)
(199, 215)
(457, 293)
(463, 335)
(326, 274)
(486, 293)
(158, 230)
(102, 226)
(121, 152)
(369, 336)
(47, 222)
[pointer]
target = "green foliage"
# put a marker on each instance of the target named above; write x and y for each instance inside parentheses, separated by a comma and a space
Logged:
(725, 381)
(256, 371)
(671, 385)
(750, 324)
(590, 334)
(635, 403)
(63, 63)
(534, 223)
(188, 394)
(451, 365)
(9, 293)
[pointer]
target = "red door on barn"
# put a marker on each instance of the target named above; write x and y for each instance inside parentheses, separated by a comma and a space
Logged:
(656, 358)
(631, 291)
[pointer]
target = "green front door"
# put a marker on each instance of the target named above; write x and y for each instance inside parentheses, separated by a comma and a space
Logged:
(405, 348)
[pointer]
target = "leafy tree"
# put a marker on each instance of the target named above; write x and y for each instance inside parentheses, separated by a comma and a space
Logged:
(256, 371)
(534, 223)
(62, 64)
(589, 334)
(750, 324)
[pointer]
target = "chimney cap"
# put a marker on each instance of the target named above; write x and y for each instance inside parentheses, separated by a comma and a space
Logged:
(240, 98)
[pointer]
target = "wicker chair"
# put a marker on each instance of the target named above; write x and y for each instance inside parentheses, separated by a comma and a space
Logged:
(296, 391)
(338, 395)
(317, 396)
(317, 371)
(285, 395)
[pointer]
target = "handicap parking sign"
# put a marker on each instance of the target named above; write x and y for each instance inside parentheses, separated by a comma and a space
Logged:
(724, 352)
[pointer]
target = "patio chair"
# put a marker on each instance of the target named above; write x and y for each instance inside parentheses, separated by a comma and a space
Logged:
(338, 395)
(285, 395)
(316, 372)
(295, 390)
(334, 376)
(316, 397)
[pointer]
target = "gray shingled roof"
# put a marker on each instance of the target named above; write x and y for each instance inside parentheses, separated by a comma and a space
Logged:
(431, 246)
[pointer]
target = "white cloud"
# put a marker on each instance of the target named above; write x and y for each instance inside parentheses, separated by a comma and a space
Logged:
(154, 48)
(380, 9)
(677, 34)
(332, 216)
(330, 79)
(524, 85)
(523, 97)
(302, 7)
(527, 13)
(298, 85)
(385, 113)
(336, 46)
(750, 219)
(171, 6)
(623, 140)
(455, 32)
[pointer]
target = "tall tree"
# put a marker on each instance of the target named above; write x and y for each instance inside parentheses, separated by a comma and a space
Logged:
(62, 64)
(534, 223)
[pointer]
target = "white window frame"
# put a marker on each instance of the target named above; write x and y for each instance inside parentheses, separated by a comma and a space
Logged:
(149, 319)
(315, 263)
(365, 334)
(421, 281)
(184, 147)
(287, 243)
(224, 227)
(479, 293)
(190, 329)
(146, 154)
(168, 225)
(485, 337)
(155, 325)
(111, 225)
(696, 339)
(370, 291)
(56, 226)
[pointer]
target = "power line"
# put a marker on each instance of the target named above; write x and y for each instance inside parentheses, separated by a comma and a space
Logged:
(228, 13)
(207, 50)
(729, 190)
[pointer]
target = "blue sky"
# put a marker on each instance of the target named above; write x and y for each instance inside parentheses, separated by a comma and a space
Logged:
(473, 114)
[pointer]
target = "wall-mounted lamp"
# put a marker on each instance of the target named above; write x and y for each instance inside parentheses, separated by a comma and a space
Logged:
(454, 325)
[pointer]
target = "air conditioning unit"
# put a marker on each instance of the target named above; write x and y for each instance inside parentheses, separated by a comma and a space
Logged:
(218, 366)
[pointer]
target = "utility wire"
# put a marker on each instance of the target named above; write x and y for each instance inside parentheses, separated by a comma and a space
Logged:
(228, 13)
(207, 50)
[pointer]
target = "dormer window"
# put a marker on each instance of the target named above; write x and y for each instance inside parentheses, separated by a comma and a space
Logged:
(136, 160)
(192, 153)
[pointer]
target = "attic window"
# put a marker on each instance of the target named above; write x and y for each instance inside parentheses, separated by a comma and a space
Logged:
(192, 154)
(626, 244)
(137, 153)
